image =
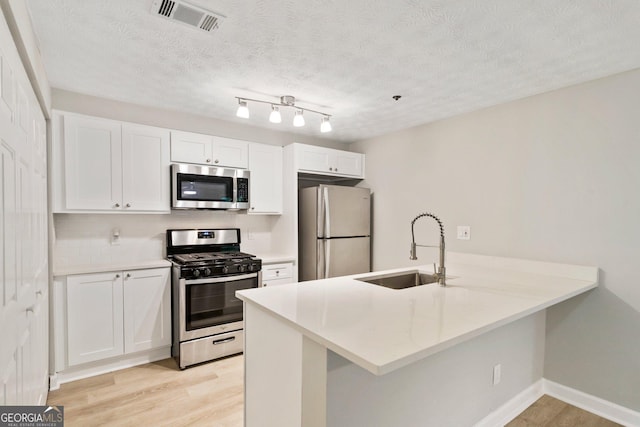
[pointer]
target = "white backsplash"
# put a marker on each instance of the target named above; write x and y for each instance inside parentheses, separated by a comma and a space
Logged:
(87, 239)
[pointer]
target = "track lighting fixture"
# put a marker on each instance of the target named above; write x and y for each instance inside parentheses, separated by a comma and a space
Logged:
(298, 119)
(243, 110)
(325, 125)
(275, 117)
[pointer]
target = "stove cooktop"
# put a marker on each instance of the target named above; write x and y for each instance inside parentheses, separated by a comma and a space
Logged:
(211, 256)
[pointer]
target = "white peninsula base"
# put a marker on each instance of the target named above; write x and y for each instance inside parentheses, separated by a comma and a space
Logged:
(340, 352)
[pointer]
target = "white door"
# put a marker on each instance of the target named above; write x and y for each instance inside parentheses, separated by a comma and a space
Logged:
(145, 168)
(315, 159)
(93, 163)
(265, 165)
(229, 152)
(147, 309)
(94, 317)
(347, 163)
(190, 147)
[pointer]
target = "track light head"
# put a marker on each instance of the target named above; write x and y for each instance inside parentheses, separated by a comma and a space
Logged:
(243, 110)
(298, 119)
(275, 116)
(325, 125)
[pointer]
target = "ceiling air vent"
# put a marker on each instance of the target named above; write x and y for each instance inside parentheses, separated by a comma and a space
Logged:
(187, 14)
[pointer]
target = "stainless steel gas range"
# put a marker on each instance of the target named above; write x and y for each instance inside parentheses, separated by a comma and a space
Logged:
(208, 268)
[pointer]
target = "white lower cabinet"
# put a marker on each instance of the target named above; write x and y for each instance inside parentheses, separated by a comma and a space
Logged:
(115, 313)
(277, 274)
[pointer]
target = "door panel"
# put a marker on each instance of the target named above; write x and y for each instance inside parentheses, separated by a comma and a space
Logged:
(342, 257)
(346, 210)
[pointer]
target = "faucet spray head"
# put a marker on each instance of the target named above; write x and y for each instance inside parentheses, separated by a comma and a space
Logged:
(412, 255)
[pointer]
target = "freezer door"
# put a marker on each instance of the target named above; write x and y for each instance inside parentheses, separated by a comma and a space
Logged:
(343, 256)
(343, 211)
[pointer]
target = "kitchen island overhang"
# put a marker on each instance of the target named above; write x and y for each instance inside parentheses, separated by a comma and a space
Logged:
(384, 330)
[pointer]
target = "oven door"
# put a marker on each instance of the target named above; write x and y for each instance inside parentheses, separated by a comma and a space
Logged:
(209, 306)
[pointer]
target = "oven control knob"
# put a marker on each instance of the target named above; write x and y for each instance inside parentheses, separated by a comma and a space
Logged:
(225, 269)
(207, 272)
(242, 268)
(196, 273)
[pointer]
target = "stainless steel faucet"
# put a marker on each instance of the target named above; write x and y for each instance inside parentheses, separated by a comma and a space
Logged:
(441, 274)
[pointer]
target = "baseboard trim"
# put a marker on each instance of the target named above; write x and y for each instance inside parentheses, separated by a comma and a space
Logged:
(105, 366)
(611, 411)
(514, 406)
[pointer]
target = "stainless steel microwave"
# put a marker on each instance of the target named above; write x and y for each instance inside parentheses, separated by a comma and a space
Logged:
(205, 187)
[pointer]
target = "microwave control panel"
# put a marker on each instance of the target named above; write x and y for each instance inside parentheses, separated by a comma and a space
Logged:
(243, 190)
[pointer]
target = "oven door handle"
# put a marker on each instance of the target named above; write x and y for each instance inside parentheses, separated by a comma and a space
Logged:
(220, 279)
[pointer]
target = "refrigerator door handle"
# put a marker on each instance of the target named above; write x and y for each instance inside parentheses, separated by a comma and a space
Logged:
(327, 258)
(326, 216)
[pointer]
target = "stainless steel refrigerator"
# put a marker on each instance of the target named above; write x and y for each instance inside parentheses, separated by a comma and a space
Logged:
(334, 231)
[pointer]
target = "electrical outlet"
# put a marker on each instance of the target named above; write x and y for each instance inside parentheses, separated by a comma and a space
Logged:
(115, 236)
(464, 232)
(497, 374)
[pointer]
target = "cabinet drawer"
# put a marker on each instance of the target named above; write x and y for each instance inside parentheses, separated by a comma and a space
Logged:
(277, 271)
(275, 282)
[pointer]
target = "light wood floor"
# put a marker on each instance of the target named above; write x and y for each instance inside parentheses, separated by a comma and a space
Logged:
(159, 394)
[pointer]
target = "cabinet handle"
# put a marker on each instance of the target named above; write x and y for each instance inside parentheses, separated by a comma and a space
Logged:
(216, 161)
(330, 169)
(38, 293)
(128, 275)
(128, 205)
(336, 169)
(117, 205)
(253, 207)
(223, 341)
(277, 272)
(117, 276)
(30, 309)
(208, 160)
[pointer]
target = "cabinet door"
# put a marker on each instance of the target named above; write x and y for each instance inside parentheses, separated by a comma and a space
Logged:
(145, 168)
(230, 152)
(265, 165)
(147, 309)
(94, 317)
(347, 163)
(190, 147)
(314, 159)
(93, 163)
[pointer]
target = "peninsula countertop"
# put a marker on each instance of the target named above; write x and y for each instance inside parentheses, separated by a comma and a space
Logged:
(383, 329)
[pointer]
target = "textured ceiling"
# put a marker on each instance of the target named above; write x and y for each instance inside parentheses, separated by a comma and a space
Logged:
(343, 57)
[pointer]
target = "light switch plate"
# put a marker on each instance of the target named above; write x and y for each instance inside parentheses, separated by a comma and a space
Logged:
(464, 232)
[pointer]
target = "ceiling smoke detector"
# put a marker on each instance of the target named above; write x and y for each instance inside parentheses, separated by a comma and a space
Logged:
(185, 13)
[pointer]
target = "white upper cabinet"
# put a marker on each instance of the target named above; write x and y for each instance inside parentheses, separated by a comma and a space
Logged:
(93, 163)
(265, 192)
(109, 166)
(145, 170)
(327, 161)
(189, 147)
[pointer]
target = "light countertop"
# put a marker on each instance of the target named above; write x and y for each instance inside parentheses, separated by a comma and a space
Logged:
(383, 329)
(101, 268)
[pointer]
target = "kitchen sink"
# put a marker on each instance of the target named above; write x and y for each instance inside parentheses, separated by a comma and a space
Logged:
(403, 280)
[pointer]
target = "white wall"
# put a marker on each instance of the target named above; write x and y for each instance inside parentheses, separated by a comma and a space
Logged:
(552, 177)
